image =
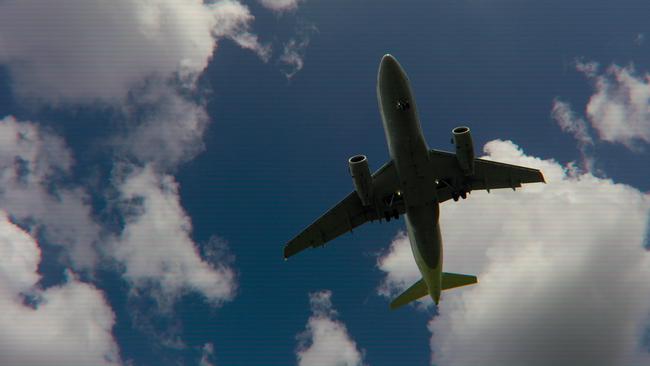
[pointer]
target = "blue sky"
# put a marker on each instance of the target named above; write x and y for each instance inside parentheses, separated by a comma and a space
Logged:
(156, 156)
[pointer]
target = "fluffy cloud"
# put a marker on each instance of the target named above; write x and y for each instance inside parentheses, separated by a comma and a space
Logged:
(232, 20)
(68, 324)
(562, 268)
(81, 51)
(399, 267)
(280, 5)
(155, 245)
(161, 117)
(326, 340)
(31, 161)
(619, 109)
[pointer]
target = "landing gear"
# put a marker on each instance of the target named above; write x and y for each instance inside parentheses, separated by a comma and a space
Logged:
(388, 215)
(460, 194)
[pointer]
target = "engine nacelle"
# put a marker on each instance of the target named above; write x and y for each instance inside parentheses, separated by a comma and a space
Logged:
(362, 178)
(462, 138)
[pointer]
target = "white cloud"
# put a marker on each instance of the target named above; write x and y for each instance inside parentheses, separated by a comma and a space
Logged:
(69, 324)
(326, 340)
(155, 245)
(589, 68)
(569, 122)
(562, 269)
(232, 20)
(293, 54)
(577, 126)
(166, 129)
(31, 159)
(398, 264)
(293, 57)
(280, 5)
(619, 109)
(82, 51)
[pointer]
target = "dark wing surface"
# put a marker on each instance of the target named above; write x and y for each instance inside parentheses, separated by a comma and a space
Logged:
(487, 175)
(350, 213)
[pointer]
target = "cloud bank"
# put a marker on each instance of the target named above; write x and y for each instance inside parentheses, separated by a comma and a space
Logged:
(32, 163)
(141, 56)
(325, 340)
(280, 5)
(69, 324)
(82, 51)
(562, 269)
(399, 267)
(155, 245)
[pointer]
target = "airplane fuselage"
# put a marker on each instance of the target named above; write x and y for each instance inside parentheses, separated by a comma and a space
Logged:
(410, 154)
(413, 184)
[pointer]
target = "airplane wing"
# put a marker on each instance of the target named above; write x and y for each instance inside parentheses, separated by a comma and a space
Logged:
(487, 174)
(350, 213)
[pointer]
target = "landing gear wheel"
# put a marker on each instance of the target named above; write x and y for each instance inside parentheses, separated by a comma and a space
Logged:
(387, 216)
(395, 214)
(454, 196)
(463, 194)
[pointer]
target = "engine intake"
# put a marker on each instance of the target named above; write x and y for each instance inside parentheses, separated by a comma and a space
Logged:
(462, 138)
(362, 178)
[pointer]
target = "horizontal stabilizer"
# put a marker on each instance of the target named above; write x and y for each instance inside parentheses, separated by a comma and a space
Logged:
(415, 292)
(452, 280)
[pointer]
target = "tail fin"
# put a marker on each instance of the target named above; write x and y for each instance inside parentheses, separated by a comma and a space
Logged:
(416, 291)
(452, 280)
(420, 289)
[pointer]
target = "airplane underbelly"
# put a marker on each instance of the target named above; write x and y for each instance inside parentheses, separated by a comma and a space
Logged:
(424, 235)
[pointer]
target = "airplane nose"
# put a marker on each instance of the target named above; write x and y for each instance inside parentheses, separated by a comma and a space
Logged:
(389, 70)
(388, 58)
(388, 63)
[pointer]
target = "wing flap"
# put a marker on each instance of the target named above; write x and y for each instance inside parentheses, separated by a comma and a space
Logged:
(487, 175)
(493, 175)
(340, 219)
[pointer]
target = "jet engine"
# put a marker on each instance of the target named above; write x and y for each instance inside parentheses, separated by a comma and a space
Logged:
(362, 178)
(464, 149)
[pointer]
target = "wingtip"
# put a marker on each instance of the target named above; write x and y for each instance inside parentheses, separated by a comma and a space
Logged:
(287, 252)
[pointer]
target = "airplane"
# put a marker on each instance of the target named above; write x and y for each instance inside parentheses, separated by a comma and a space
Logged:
(413, 183)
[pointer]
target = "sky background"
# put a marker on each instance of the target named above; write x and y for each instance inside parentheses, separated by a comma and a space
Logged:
(155, 157)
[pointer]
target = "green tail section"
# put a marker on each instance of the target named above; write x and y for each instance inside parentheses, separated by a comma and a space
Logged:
(452, 280)
(419, 289)
(416, 291)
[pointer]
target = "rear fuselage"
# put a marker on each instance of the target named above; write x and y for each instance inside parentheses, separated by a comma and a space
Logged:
(410, 154)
